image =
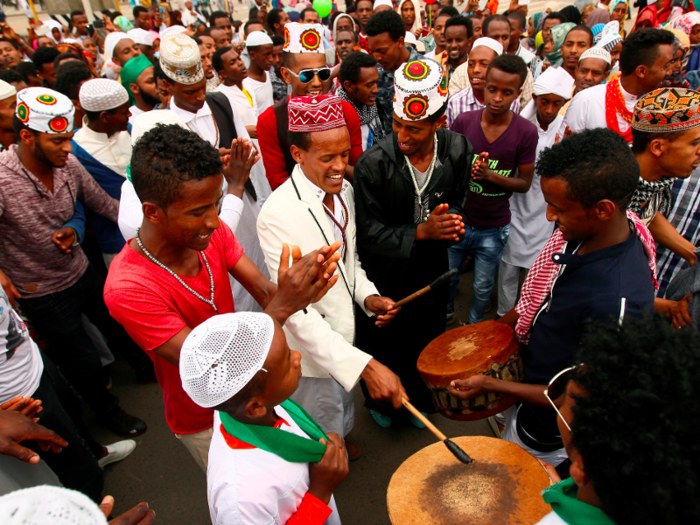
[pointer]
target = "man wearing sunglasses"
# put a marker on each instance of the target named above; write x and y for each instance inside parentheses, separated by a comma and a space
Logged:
(304, 68)
(596, 266)
(626, 418)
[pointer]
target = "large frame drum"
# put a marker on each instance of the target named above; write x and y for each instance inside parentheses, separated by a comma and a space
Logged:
(501, 487)
(488, 348)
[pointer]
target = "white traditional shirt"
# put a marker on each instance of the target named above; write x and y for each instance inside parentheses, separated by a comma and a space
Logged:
(202, 122)
(135, 112)
(338, 210)
(250, 486)
(262, 91)
(587, 109)
(243, 104)
(114, 152)
(529, 227)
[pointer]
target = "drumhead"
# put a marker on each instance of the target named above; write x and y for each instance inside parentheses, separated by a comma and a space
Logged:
(502, 486)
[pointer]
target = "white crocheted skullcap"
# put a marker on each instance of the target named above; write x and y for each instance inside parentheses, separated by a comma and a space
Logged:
(221, 355)
(172, 30)
(140, 36)
(257, 38)
(46, 504)
(596, 52)
(490, 43)
(7, 90)
(102, 94)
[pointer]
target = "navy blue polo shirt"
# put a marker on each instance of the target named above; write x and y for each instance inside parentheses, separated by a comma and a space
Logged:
(604, 286)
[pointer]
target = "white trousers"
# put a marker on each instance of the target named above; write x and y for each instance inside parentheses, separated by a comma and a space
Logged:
(328, 403)
(198, 445)
(508, 287)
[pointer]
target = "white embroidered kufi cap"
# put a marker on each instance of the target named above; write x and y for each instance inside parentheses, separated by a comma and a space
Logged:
(140, 36)
(596, 52)
(7, 90)
(102, 94)
(420, 89)
(490, 43)
(257, 38)
(46, 504)
(303, 38)
(45, 110)
(180, 59)
(221, 355)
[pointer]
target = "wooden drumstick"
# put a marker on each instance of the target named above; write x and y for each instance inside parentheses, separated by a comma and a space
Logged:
(451, 445)
(437, 282)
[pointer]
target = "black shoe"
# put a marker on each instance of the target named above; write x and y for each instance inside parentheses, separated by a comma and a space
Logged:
(121, 423)
(146, 375)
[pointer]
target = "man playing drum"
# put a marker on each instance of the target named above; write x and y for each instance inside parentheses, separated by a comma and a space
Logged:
(598, 264)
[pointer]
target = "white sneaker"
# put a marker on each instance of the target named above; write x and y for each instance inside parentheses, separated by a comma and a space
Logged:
(117, 451)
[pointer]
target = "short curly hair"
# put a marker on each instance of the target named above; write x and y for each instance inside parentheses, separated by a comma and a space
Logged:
(596, 164)
(636, 427)
(165, 157)
(387, 21)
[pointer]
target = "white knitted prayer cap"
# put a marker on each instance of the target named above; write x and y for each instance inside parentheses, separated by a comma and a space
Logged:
(172, 30)
(257, 38)
(596, 52)
(140, 36)
(102, 94)
(379, 3)
(7, 90)
(221, 355)
(45, 504)
(490, 43)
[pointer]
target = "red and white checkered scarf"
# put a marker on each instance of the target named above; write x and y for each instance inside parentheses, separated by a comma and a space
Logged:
(541, 276)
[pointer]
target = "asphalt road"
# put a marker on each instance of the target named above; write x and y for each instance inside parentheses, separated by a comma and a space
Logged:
(162, 472)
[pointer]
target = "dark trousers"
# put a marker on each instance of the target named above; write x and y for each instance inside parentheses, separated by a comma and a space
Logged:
(57, 316)
(76, 466)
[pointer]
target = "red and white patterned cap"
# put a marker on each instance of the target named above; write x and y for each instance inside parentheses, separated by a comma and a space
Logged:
(45, 110)
(317, 113)
(303, 38)
(420, 89)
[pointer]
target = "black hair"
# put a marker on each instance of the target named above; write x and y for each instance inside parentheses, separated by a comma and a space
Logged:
(158, 72)
(68, 80)
(493, 18)
(64, 56)
(158, 169)
(136, 11)
(277, 40)
(197, 40)
(273, 17)
(519, 18)
(288, 59)
(215, 16)
(439, 113)
(352, 8)
(596, 164)
(641, 48)
(13, 44)
(460, 20)
(71, 64)
(248, 24)
(351, 65)
(447, 10)
(387, 21)
(26, 69)
(216, 61)
(509, 63)
(18, 125)
(641, 139)
(558, 16)
(10, 75)
(306, 10)
(254, 387)
(253, 13)
(635, 422)
(300, 139)
(75, 13)
(354, 34)
(585, 29)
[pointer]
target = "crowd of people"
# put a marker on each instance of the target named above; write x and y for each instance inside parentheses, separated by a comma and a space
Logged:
(236, 207)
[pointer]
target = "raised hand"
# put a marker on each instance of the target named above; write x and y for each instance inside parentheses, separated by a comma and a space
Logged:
(237, 164)
(441, 226)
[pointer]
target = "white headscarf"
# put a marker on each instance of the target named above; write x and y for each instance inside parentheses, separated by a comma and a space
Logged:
(554, 81)
(111, 42)
(416, 20)
(52, 24)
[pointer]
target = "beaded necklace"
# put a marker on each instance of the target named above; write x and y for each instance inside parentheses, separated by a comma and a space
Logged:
(424, 211)
(183, 283)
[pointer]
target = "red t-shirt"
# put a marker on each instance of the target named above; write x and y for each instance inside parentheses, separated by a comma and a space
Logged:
(153, 307)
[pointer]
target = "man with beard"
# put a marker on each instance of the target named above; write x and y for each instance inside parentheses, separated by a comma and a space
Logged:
(138, 79)
(56, 285)
(345, 43)
(593, 68)
(358, 85)
(438, 34)
(458, 37)
(403, 234)
(220, 20)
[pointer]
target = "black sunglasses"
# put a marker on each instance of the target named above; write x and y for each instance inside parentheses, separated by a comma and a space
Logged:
(307, 75)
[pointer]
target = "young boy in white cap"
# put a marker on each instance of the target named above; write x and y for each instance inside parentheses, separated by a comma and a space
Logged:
(258, 83)
(103, 147)
(529, 227)
(269, 461)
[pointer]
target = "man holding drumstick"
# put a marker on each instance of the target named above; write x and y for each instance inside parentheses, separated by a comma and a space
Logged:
(598, 265)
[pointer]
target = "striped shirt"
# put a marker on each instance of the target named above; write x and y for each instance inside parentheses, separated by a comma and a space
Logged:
(466, 101)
